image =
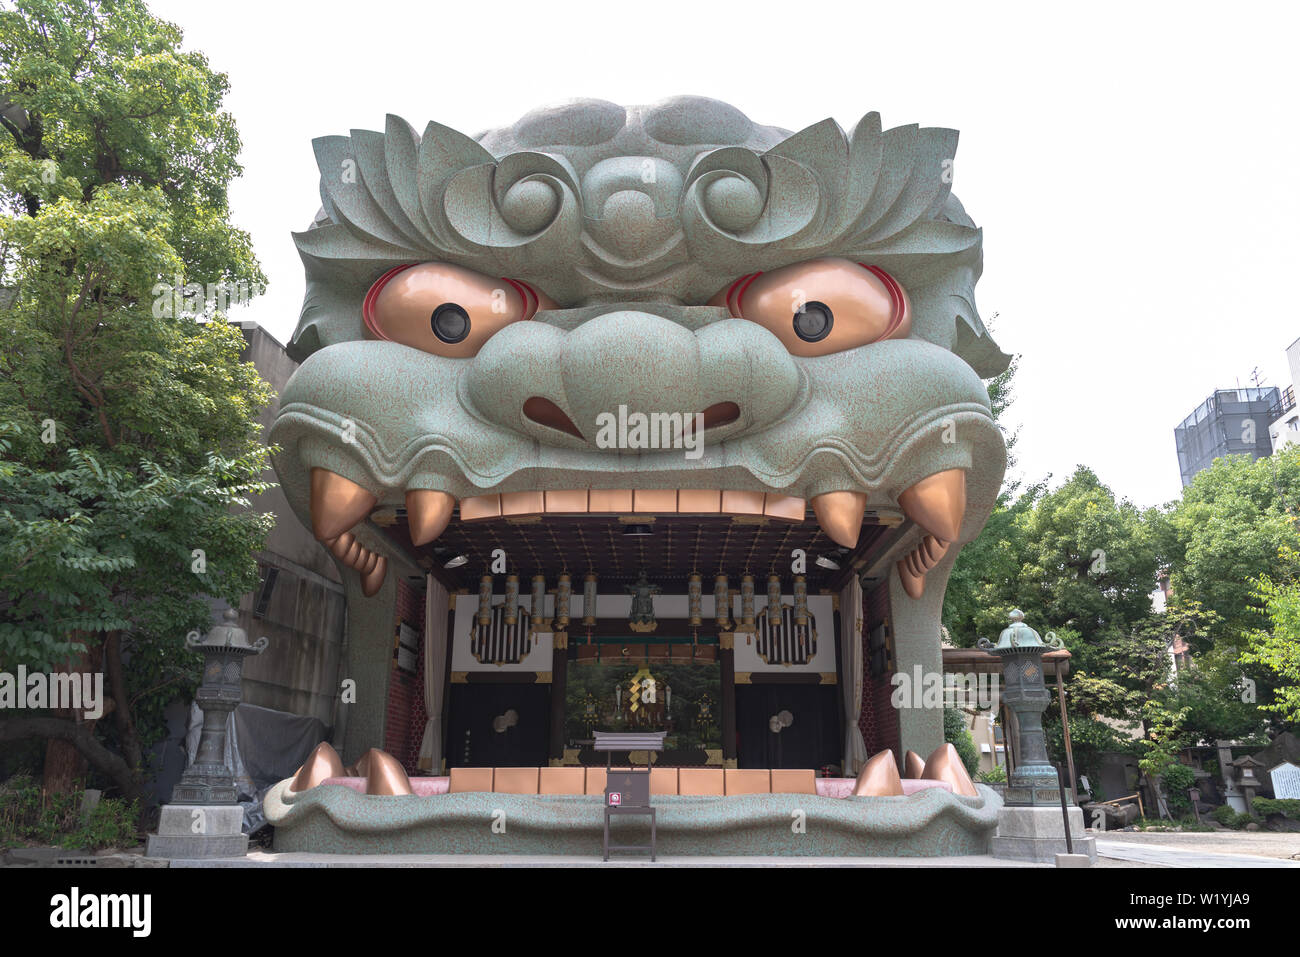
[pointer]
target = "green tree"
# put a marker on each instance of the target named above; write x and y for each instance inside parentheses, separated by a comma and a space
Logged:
(1227, 531)
(130, 437)
(1231, 544)
(1073, 559)
(984, 559)
(956, 733)
(1277, 647)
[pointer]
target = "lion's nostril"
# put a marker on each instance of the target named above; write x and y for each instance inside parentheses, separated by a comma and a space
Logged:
(721, 413)
(547, 413)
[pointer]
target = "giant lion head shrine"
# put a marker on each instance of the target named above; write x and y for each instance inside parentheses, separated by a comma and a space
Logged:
(643, 437)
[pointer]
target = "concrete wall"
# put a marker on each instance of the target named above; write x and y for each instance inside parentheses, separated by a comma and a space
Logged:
(916, 643)
(304, 611)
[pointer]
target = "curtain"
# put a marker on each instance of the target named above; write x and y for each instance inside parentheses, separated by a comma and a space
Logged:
(855, 749)
(435, 673)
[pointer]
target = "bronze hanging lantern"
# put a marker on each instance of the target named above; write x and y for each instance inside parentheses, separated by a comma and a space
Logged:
(589, 600)
(800, 601)
(512, 600)
(563, 593)
(485, 601)
(539, 604)
(694, 600)
(746, 603)
(722, 604)
(773, 601)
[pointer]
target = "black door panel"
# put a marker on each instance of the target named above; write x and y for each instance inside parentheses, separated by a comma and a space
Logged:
(812, 738)
(472, 741)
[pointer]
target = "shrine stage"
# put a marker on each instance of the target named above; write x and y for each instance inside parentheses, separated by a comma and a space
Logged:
(336, 819)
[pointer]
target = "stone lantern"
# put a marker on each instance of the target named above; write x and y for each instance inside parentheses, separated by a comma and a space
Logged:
(204, 818)
(1034, 780)
(1030, 825)
(1246, 769)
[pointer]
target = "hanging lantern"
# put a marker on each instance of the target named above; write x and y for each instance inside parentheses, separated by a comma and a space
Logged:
(589, 600)
(539, 604)
(694, 599)
(563, 592)
(746, 603)
(512, 599)
(485, 600)
(800, 600)
(773, 602)
(721, 603)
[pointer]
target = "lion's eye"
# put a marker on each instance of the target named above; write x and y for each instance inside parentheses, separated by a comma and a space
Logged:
(822, 306)
(813, 322)
(450, 323)
(445, 309)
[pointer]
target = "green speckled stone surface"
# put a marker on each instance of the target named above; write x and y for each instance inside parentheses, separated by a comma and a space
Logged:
(334, 819)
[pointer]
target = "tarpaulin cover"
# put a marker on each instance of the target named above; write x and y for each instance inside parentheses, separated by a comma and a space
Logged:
(263, 747)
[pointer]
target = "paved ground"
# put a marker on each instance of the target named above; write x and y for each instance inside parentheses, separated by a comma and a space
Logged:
(299, 859)
(1219, 849)
(1201, 849)
(1122, 849)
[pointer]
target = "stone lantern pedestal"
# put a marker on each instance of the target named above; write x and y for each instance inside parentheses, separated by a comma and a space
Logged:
(204, 818)
(1031, 826)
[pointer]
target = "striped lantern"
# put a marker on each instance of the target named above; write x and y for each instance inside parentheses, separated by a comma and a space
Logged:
(539, 603)
(721, 603)
(800, 600)
(563, 592)
(589, 599)
(485, 600)
(512, 599)
(694, 599)
(773, 598)
(747, 603)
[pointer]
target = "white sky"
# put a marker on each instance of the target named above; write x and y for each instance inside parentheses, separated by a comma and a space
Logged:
(1133, 165)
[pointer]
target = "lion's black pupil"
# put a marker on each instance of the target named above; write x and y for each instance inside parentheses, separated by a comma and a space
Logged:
(450, 322)
(813, 322)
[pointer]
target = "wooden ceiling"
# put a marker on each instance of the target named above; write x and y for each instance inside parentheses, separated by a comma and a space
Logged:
(675, 547)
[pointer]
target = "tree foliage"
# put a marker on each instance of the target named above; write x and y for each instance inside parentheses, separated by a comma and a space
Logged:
(1277, 647)
(1083, 564)
(130, 439)
(1228, 530)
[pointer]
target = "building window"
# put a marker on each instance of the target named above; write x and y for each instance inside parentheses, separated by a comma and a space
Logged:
(269, 575)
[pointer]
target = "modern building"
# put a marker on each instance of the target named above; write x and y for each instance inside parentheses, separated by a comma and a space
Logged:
(1284, 418)
(1229, 422)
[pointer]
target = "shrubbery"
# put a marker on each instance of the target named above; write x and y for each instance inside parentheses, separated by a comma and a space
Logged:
(1229, 817)
(1177, 779)
(957, 734)
(1287, 807)
(28, 816)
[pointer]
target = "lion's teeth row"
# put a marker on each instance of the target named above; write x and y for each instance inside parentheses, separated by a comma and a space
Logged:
(936, 503)
(631, 502)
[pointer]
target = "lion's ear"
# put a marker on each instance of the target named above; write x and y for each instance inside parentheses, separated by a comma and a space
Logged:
(978, 349)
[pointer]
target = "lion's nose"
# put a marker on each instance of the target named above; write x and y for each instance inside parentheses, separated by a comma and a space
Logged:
(631, 360)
